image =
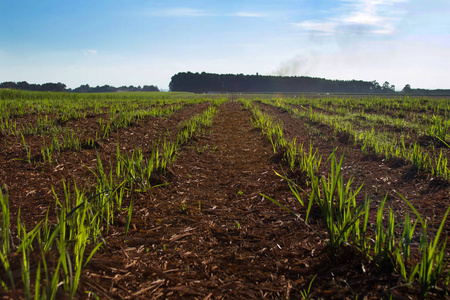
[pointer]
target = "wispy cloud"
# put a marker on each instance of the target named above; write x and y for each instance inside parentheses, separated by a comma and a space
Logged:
(182, 12)
(325, 27)
(89, 52)
(248, 15)
(361, 16)
(194, 12)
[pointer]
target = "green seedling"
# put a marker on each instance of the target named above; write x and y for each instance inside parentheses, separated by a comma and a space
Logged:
(307, 292)
(432, 265)
(6, 239)
(26, 149)
(238, 225)
(130, 213)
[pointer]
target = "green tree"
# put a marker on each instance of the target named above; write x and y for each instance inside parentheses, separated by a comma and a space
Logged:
(387, 87)
(407, 89)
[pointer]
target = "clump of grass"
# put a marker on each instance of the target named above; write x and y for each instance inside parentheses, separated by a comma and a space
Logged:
(337, 202)
(8, 127)
(270, 128)
(438, 127)
(432, 265)
(28, 159)
(5, 248)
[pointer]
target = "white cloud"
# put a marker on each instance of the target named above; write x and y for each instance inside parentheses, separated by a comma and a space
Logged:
(322, 27)
(248, 15)
(182, 12)
(362, 16)
(373, 14)
(193, 12)
(89, 52)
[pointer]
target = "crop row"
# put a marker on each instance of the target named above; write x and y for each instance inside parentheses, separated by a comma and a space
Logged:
(52, 255)
(347, 221)
(382, 142)
(398, 106)
(119, 114)
(423, 124)
(63, 138)
(14, 103)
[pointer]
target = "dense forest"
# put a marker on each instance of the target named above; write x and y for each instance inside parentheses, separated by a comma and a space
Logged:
(239, 83)
(61, 87)
(208, 82)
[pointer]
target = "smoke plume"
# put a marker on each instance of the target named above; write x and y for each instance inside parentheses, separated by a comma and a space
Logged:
(296, 66)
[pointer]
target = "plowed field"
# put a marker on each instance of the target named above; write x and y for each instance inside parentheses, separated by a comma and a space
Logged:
(202, 228)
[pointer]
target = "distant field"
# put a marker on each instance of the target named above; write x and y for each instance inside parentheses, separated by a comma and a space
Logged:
(180, 195)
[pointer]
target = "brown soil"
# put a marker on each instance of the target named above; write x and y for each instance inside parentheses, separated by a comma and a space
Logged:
(210, 234)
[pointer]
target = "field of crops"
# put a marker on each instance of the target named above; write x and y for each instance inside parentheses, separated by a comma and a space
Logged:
(177, 195)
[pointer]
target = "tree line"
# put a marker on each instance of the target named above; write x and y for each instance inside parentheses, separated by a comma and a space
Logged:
(209, 82)
(61, 87)
(424, 92)
(23, 85)
(110, 89)
(239, 83)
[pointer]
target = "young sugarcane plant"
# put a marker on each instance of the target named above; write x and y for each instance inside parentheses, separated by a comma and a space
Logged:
(28, 160)
(6, 239)
(337, 203)
(432, 265)
(129, 215)
(384, 238)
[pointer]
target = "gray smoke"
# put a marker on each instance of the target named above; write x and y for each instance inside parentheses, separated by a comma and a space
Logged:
(296, 66)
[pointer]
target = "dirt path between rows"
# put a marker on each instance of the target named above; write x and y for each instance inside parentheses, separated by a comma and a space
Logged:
(210, 234)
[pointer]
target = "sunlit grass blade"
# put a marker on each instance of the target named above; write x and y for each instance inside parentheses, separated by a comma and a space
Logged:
(280, 205)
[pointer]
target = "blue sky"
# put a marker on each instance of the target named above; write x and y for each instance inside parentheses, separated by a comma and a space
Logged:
(136, 42)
